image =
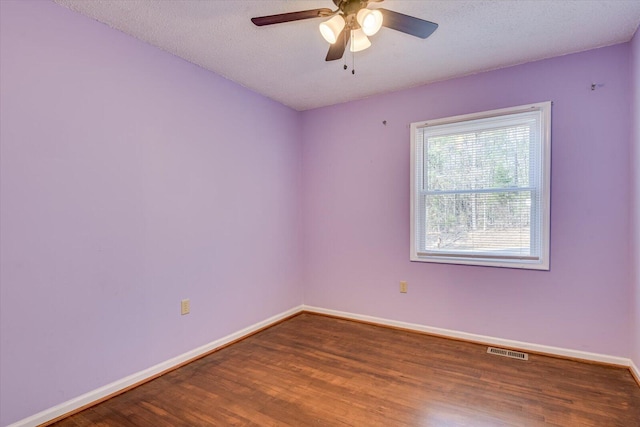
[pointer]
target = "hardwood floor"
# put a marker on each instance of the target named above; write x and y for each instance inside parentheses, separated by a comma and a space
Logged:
(313, 370)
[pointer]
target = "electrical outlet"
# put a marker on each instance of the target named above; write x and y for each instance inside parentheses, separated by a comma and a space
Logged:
(185, 306)
(403, 287)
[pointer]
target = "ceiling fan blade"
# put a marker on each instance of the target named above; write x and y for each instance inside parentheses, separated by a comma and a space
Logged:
(407, 24)
(337, 49)
(291, 16)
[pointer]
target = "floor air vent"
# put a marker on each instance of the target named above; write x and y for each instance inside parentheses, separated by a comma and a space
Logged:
(508, 353)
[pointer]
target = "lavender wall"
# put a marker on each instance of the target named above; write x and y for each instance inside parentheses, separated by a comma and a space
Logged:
(635, 159)
(130, 179)
(356, 209)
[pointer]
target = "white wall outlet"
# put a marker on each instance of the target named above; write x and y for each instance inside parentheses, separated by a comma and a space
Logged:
(403, 287)
(185, 306)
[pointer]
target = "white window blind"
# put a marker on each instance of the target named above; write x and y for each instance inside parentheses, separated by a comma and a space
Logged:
(481, 188)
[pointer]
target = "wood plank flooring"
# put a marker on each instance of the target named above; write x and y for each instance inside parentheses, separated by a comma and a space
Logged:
(313, 370)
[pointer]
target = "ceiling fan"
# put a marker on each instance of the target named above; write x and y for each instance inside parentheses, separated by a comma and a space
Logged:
(352, 22)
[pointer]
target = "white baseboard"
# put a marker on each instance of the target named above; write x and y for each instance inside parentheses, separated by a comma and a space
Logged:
(116, 386)
(635, 372)
(482, 339)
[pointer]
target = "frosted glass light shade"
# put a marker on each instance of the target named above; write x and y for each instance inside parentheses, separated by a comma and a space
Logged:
(370, 20)
(359, 41)
(331, 29)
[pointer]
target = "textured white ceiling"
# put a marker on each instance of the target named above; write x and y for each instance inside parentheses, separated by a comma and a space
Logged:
(286, 61)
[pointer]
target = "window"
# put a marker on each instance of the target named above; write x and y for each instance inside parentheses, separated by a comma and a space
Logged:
(480, 188)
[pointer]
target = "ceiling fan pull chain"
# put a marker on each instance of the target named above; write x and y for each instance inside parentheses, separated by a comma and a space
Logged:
(353, 63)
(344, 42)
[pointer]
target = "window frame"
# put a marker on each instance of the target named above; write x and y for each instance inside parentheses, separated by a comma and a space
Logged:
(542, 263)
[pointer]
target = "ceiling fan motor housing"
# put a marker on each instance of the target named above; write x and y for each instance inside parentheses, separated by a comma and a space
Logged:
(349, 9)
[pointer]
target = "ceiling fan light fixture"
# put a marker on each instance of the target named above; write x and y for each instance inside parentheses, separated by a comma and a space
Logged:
(359, 41)
(370, 20)
(351, 23)
(332, 28)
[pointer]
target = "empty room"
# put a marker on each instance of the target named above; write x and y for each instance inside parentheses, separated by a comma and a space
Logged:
(319, 212)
